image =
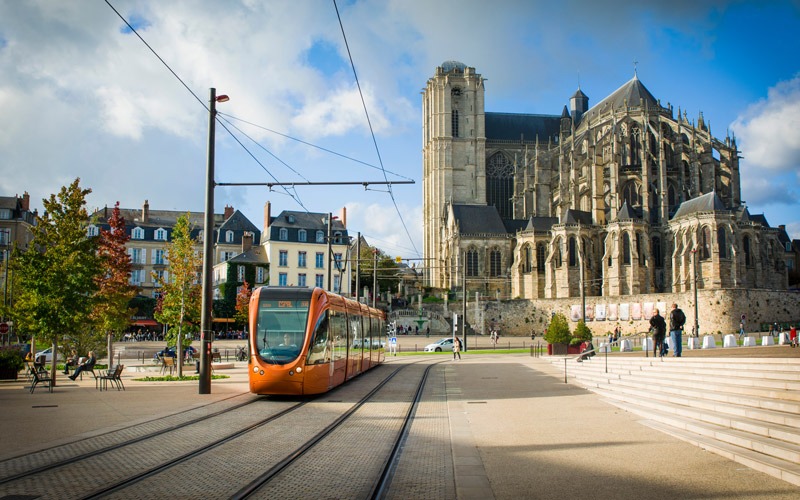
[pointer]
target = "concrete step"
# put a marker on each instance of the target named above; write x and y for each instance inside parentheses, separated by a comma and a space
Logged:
(775, 467)
(742, 423)
(773, 399)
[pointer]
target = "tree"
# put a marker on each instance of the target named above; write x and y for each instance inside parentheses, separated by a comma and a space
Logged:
(558, 330)
(386, 269)
(56, 277)
(243, 304)
(582, 333)
(181, 295)
(114, 292)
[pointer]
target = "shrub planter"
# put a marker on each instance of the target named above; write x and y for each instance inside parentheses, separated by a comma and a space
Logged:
(8, 374)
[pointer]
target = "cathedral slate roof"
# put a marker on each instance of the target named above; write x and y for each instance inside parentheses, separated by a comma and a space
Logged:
(541, 223)
(478, 219)
(573, 216)
(708, 202)
(633, 92)
(627, 213)
(513, 127)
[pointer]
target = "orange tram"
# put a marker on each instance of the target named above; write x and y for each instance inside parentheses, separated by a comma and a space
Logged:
(308, 341)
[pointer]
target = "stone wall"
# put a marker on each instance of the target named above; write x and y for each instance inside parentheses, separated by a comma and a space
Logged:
(719, 311)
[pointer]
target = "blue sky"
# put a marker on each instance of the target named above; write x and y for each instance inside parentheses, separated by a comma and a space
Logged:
(83, 97)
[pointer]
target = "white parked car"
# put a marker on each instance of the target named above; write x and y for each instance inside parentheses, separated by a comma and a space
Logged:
(446, 344)
(47, 353)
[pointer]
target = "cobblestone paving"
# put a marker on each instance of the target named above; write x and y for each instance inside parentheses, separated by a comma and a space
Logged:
(425, 468)
(99, 471)
(59, 454)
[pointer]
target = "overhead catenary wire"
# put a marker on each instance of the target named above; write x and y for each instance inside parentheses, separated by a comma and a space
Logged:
(371, 130)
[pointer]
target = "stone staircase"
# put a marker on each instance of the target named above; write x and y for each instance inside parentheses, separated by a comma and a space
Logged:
(745, 409)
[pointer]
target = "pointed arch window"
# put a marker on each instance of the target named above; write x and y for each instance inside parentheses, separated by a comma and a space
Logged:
(705, 243)
(541, 255)
(455, 123)
(557, 253)
(631, 193)
(722, 243)
(500, 184)
(658, 255)
(472, 262)
(626, 249)
(527, 259)
(573, 252)
(748, 256)
(495, 261)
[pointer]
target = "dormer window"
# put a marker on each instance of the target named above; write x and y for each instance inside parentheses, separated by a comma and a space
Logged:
(320, 237)
(283, 234)
(137, 233)
(160, 234)
(301, 235)
(228, 236)
(91, 230)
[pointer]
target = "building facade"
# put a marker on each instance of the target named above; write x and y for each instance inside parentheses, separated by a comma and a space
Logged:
(151, 230)
(307, 249)
(625, 197)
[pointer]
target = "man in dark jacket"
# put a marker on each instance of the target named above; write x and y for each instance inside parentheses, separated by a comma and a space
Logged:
(676, 322)
(659, 328)
(87, 365)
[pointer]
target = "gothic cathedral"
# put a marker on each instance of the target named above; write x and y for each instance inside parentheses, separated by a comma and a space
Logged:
(624, 197)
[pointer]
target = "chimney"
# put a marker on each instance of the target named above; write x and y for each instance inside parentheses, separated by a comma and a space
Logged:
(228, 212)
(343, 217)
(247, 242)
(782, 227)
(105, 213)
(145, 212)
(25, 205)
(267, 207)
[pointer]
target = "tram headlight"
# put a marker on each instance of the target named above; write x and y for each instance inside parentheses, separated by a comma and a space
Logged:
(299, 369)
(255, 369)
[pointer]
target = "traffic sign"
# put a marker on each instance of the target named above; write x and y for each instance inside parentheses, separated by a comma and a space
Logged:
(3, 328)
(398, 259)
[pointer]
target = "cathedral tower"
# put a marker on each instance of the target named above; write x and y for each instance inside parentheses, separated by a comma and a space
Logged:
(453, 153)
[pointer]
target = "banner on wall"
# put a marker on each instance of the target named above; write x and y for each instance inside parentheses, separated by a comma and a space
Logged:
(613, 312)
(624, 312)
(662, 307)
(589, 312)
(600, 312)
(575, 312)
(636, 311)
(647, 310)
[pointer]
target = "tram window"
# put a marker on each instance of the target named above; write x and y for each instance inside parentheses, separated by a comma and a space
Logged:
(319, 352)
(357, 339)
(338, 334)
(281, 329)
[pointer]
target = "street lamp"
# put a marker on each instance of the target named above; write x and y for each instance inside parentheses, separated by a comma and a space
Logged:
(696, 332)
(208, 258)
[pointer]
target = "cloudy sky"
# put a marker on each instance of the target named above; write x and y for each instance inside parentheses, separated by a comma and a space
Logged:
(82, 96)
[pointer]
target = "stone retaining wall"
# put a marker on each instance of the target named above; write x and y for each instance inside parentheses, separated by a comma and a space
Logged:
(719, 311)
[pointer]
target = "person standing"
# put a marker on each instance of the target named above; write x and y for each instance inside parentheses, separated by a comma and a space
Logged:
(676, 321)
(659, 327)
(457, 348)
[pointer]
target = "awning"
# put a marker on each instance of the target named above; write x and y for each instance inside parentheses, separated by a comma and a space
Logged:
(144, 322)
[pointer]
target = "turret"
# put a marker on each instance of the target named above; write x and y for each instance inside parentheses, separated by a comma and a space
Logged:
(579, 104)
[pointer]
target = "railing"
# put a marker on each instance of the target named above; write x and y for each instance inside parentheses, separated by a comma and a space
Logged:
(606, 348)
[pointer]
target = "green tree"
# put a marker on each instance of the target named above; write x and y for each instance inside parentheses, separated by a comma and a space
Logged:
(56, 285)
(386, 269)
(582, 333)
(181, 293)
(112, 313)
(558, 330)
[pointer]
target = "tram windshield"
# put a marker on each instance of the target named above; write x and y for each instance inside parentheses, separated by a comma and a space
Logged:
(281, 329)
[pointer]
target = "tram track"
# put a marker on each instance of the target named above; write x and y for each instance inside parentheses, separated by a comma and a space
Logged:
(63, 454)
(216, 465)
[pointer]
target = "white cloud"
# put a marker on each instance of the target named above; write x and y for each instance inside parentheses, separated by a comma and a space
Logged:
(767, 132)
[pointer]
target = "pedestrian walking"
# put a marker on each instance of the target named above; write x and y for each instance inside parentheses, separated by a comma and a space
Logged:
(659, 328)
(676, 321)
(741, 328)
(457, 348)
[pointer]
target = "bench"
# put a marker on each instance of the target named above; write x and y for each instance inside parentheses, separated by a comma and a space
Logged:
(40, 377)
(114, 376)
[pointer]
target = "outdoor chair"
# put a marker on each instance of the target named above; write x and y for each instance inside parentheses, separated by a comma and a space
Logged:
(40, 377)
(167, 363)
(114, 376)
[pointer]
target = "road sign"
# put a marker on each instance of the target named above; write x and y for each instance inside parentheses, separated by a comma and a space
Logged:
(398, 259)
(3, 328)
